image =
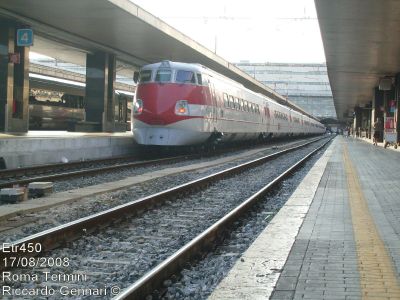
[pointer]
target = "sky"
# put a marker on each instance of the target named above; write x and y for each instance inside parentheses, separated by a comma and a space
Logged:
(254, 31)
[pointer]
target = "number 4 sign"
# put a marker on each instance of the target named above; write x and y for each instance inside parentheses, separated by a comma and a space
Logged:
(24, 37)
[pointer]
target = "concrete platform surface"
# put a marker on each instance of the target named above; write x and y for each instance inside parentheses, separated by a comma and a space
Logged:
(46, 147)
(366, 140)
(337, 237)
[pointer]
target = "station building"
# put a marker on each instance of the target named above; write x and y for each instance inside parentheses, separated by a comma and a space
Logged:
(306, 85)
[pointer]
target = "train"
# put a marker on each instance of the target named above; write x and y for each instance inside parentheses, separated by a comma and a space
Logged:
(59, 114)
(61, 107)
(184, 104)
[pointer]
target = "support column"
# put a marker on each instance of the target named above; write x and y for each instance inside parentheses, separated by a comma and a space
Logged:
(14, 82)
(357, 120)
(377, 108)
(6, 75)
(366, 121)
(377, 105)
(99, 99)
(397, 113)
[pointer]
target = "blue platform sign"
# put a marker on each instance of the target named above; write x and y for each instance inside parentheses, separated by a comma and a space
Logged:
(24, 37)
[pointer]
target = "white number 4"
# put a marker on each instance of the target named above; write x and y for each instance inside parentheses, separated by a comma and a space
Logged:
(25, 37)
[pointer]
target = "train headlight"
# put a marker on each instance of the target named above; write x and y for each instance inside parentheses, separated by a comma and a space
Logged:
(182, 108)
(137, 107)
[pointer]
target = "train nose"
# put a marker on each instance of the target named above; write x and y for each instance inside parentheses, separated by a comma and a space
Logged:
(159, 103)
(156, 110)
(157, 119)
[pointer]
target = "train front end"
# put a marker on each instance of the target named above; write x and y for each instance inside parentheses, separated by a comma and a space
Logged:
(168, 106)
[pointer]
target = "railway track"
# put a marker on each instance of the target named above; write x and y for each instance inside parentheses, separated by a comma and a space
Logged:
(176, 229)
(58, 172)
(41, 169)
(23, 176)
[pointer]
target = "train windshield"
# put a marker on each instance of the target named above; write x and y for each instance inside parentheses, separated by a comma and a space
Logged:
(185, 77)
(145, 76)
(163, 75)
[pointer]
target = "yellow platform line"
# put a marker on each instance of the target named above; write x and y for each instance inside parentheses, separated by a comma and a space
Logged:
(378, 277)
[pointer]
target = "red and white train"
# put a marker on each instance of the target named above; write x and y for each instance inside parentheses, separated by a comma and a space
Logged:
(179, 104)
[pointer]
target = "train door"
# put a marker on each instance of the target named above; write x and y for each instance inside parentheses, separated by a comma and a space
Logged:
(267, 117)
(120, 109)
(121, 112)
(214, 103)
(209, 103)
(273, 126)
(290, 123)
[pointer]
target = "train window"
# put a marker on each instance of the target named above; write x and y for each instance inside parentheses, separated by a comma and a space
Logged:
(258, 109)
(237, 104)
(251, 108)
(199, 79)
(163, 75)
(68, 100)
(145, 76)
(231, 103)
(185, 77)
(206, 80)
(241, 104)
(226, 101)
(245, 105)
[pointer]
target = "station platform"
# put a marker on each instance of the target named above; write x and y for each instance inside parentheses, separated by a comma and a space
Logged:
(337, 237)
(46, 147)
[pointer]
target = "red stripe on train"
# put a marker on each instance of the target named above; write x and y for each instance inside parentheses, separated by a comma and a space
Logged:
(159, 100)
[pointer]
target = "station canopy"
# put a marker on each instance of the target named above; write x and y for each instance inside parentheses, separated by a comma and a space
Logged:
(361, 46)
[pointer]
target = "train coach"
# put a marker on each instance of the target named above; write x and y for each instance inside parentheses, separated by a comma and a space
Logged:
(181, 104)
